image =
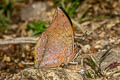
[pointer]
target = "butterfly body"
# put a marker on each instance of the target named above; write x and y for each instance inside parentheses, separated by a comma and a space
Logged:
(56, 45)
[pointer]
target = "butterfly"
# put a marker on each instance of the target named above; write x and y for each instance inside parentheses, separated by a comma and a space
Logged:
(56, 44)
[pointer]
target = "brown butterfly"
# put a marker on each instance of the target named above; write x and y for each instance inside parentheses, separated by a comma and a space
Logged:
(56, 45)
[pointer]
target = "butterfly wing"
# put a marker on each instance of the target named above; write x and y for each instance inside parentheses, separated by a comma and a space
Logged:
(56, 45)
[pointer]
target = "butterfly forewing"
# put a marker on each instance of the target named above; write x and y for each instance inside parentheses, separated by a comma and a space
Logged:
(56, 45)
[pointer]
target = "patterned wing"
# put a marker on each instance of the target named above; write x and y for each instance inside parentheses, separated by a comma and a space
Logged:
(56, 45)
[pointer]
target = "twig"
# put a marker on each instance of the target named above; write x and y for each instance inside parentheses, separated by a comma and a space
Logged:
(22, 40)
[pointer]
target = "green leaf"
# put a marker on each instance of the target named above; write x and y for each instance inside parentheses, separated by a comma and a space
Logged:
(3, 27)
(72, 9)
(37, 27)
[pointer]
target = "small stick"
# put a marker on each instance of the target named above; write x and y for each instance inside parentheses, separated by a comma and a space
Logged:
(22, 40)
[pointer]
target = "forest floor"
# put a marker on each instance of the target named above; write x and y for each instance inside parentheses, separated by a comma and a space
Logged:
(97, 39)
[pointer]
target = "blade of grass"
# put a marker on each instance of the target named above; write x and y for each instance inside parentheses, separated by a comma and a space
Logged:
(84, 13)
(102, 58)
(88, 74)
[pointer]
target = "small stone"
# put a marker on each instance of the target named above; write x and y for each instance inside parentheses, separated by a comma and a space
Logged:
(23, 55)
(104, 43)
(20, 65)
(98, 47)
(86, 48)
(16, 60)
(115, 38)
(98, 42)
(15, 26)
(6, 58)
(110, 25)
(112, 41)
(28, 47)
(102, 35)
